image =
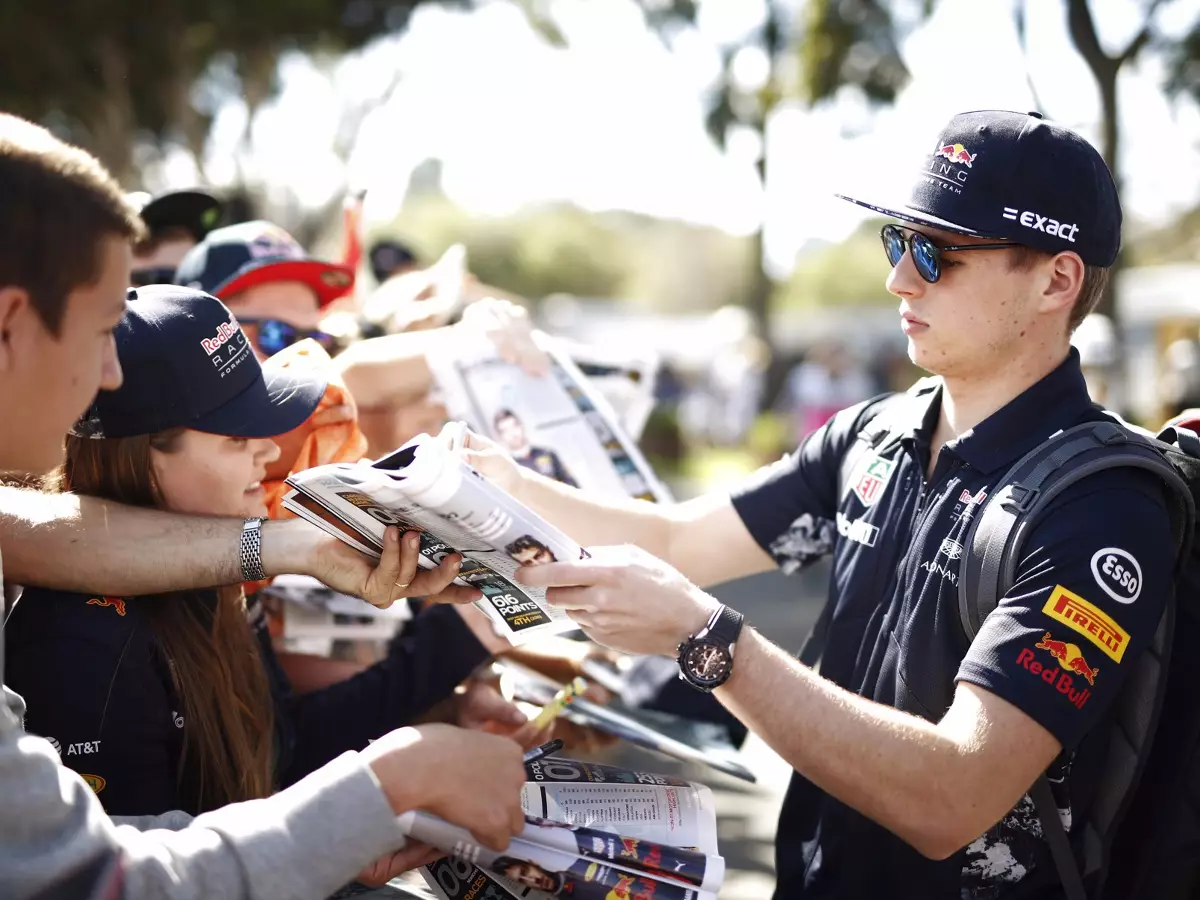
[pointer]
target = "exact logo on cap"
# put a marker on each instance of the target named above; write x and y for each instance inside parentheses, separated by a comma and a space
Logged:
(1042, 223)
(228, 348)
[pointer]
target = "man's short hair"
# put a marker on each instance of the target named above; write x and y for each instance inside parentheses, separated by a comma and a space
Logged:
(1095, 280)
(503, 414)
(57, 203)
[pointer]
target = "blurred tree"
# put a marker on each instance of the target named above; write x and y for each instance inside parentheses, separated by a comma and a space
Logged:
(855, 43)
(119, 75)
(849, 273)
(742, 106)
(558, 248)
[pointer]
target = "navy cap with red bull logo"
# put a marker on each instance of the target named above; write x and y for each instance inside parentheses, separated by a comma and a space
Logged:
(231, 259)
(187, 363)
(1016, 177)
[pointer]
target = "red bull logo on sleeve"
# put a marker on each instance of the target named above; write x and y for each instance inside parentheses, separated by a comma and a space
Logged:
(1062, 677)
(1081, 616)
(956, 153)
(1070, 656)
(115, 602)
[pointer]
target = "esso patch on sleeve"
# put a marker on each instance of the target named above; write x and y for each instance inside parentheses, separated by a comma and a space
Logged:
(1117, 573)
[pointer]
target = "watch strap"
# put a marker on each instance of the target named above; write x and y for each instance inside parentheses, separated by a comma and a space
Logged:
(724, 627)
(250, 550)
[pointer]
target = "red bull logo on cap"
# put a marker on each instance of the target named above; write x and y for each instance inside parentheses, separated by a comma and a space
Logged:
(956, 153)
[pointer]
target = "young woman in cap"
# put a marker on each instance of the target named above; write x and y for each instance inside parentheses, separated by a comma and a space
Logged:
(177, 702)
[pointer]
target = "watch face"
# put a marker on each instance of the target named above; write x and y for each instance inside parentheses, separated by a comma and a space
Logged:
(707, 663)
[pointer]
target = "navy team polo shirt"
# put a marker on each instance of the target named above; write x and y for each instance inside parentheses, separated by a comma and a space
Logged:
(1058, 646)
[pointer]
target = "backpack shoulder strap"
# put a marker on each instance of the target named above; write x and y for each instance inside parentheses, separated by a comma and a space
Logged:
(993, 549)
(879, 432)
(994, 540)
(1056, 837)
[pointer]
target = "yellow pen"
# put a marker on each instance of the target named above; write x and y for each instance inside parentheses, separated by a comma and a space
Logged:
(561, 701)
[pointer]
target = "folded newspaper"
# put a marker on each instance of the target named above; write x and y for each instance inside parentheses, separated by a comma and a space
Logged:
(428, 488)
(593, 832)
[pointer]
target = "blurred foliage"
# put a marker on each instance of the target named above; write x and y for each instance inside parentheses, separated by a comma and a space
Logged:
(849, 273)
(560, 248)
(850, 42)
(856, 44)
(113, 74)
(1177, 242)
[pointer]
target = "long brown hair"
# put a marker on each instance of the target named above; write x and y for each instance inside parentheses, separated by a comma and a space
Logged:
(210, 650)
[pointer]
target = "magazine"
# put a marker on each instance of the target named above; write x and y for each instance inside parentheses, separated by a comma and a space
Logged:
(625, 378)
(427, 487)
(591, 831)
(559, 425)
(683, 739)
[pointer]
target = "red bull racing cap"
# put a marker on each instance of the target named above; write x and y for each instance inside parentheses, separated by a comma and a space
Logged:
(1015, 177)
(187, 363)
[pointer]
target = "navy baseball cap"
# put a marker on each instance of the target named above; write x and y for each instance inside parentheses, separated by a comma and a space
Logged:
(1015, 177)
(195, 210)
(231, 259)
(188, 364)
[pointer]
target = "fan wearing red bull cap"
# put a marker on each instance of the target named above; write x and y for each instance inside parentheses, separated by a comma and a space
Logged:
(280, 294)
(66, 236)
(179, 699)
(914, 748)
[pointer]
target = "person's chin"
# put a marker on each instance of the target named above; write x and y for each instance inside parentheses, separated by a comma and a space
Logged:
(254, 507)
(922, 355)
(33, 465)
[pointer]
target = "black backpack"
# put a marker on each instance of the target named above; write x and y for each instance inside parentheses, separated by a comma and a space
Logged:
(1141, 838)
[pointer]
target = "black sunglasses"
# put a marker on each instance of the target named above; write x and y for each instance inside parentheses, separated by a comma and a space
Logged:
(274, 335)
(926, 255)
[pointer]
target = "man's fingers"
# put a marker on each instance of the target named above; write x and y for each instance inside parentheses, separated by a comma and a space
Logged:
(410, 552)
(498, 836)
(459, 594)
(378, 588)
(435, 580)
(517, 822)
(564, 574)
(574, 599)
(389, 561)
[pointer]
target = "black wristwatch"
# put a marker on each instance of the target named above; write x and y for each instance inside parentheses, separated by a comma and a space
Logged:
(706, 658)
